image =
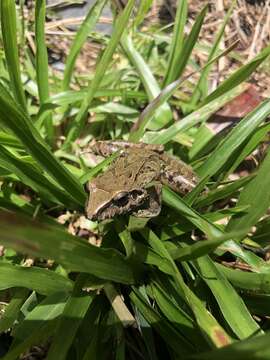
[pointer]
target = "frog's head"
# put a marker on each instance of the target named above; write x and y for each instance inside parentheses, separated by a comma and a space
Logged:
(104, 203)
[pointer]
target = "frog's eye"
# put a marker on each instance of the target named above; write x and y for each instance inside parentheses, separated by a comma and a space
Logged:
(121, 199)
(120, 195)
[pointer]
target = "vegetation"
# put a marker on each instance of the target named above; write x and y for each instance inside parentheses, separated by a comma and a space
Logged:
(154, 289)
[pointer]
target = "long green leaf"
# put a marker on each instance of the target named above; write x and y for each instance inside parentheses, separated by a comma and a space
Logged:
(164, 136)
(230, 303)
(29, 175)
(38, 325)
(42, 63)
(17, 121)
(208, 325)
(9, 34)
(163, 115)
(250, 349)
(238, 76)
(244, 280)
(40, 280)
(212, 230)
(176, 47)
(160, 324)
(71, 318)
(256, 195)
(200, 88)
(12, 311)
(181, 57)
(81, 36)
(120, 25)
(234, 140)
(44, 240)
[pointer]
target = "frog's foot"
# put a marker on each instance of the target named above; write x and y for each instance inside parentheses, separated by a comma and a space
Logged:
(152, 206)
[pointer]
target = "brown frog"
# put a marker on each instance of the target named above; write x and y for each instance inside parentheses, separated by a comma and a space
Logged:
(133, 182)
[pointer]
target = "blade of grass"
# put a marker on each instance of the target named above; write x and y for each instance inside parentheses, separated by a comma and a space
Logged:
(42, 64)
(254, 141)
(230, 303)
(46, 240)
(244, 280)
(9, 35)
(238, 76)
(176, 47)
(18, 122)
(212, 230)
(32, 177)
(248, 349)
(165, 94)
(163, 115)
(120, 25)
(75, 310)
(164, 136)
(201, 248)
(81, 36)
(40, 280)
(256, 195)
(213, 332)
(12, 311)
(234, 140)
(222, 192)
(200, 89)
(180, 58)
(92, 172)
(160, 324)
(38, 325)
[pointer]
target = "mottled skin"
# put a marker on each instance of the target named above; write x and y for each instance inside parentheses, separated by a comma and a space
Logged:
(132, 183)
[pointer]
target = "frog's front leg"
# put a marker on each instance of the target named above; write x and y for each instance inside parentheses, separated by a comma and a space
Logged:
(152, 206)
(107, 147)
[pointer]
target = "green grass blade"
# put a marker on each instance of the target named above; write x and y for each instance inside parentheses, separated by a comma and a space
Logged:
(9, 35)
(38, 325)
(211, 230)
(40, 280)
(254, 141)
(92, 172)
(13, 308)
(120, 26)
(255, 348)
(163, 115)
(177, 42)
(160, 324)
(238, 76)
(244, 280)
(30, 176)
(175, 314)
(200, 90)
(213, 332)
(181, 58)
(71, 318)
(42, 63)
(14, 119)
(201, 248)
(44, 240)
(164, 136)
(222, 192)
(230, 303)
(234, 140)
(143, 9)
(81, 36)
(258, 204)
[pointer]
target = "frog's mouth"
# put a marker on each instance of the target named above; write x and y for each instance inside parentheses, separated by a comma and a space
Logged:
(124, 202)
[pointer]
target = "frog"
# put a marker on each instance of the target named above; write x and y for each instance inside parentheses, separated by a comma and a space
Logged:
(132, 184)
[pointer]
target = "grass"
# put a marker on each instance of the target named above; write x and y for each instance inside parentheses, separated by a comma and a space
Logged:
(149, 291)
